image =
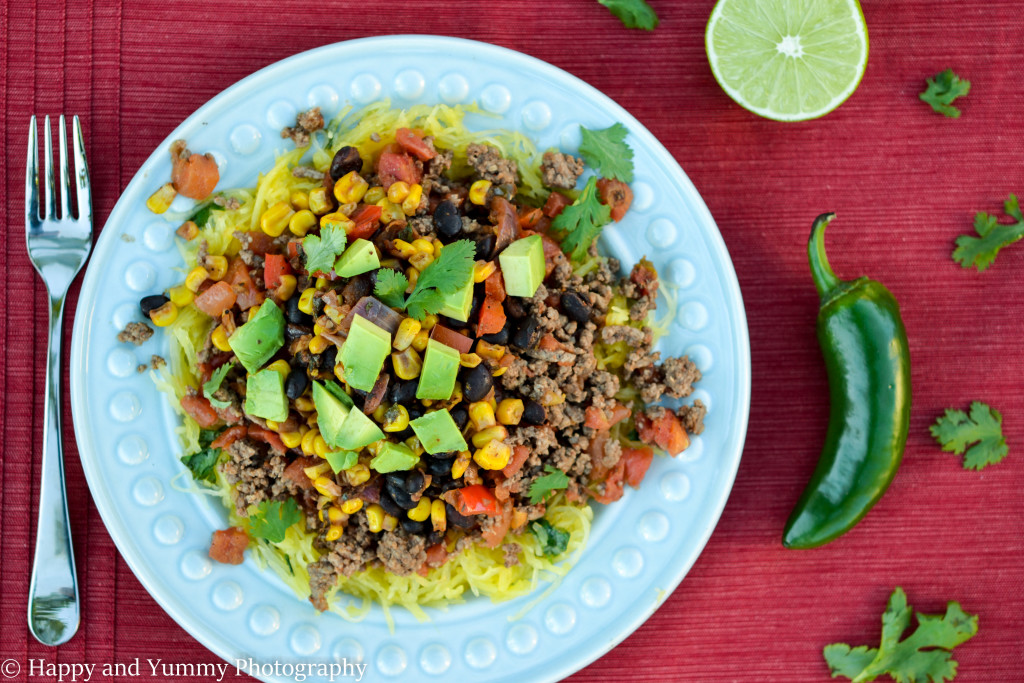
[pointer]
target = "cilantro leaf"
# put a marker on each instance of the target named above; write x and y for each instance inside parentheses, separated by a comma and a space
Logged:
(955, 431)
(606, 150)
(922, 657)
(553, 541)
(323, 250)
(211, 387)
(633, 13)
(582, 221)
(451, 270)
(549, 483)
(942, 90)
(207, 436)
(205, 212)
(272, 519)
(391, 286)
(979, 252)
(203, 464)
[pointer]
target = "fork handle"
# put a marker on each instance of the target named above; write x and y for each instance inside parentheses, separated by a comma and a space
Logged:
(53, 604)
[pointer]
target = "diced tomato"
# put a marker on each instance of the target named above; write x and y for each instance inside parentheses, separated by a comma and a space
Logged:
(519, 456)
(367, 220)
(636, 460)
(393, 167)
(619, 413)
(296, 474)
(229, 436)
(275, 265)
(616, 195)
(529, 218)
(260, 243)
(552, 254)
(194, 177)
(476, 499)
(437, 555)
(495, 533)
(645, 277)
(555, 203)
(267, 437)
(228, 545)
(215, 300)
(415, 144)
(666, 432)
(612, 485)
(492, 313)
(200, 410)
(293, 249)
(596, 419)
(596, 450)
(245, 289)
(451, 338)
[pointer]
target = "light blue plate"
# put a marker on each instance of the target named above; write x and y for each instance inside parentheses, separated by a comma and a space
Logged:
(640, 548)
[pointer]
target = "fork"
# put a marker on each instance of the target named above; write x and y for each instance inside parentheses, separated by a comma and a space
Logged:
(58, 245)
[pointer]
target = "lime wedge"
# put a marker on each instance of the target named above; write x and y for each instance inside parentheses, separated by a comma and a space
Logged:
(788, 60)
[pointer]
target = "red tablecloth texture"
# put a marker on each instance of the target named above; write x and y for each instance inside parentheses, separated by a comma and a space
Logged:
(903, 180)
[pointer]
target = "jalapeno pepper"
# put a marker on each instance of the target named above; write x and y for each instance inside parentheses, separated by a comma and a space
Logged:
(868, 362)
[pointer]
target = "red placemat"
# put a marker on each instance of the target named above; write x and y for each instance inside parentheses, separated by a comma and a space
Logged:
(904, 181)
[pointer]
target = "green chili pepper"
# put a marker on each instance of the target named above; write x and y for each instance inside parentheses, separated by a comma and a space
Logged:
(868, 363)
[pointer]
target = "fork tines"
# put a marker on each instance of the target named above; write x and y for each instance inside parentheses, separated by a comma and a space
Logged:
(80, 183)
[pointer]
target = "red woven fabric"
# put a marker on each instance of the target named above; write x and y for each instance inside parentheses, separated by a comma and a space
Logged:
(903, 180)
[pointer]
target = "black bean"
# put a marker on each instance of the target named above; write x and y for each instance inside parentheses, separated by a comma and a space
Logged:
(447, 484)
(411, 526)
(152, 302)
(389, 505)
(345, 161)
(296, 384)
(447, 220)
(533, 412)
(478, 301)
(330, 357)
(514, 307)
(402, 392)
(575, 306)
(528, 333)
(414, 481)
(439, 468)
(455, 519)
(484, 246)
(318, 306)
(415, 411)
(293, 332)
(399, 495)
(477, 383)
(294, 315)
(461, 417)
(434, 537)
(501, 336)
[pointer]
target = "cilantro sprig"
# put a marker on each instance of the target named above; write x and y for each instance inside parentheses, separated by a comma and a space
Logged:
(322, 250)
(979, 252)
(272, 519)
(980, 434)
(606, 151)
(546, 485)
(923, 656)
(202, 464)
(391, 286)
(581, 222)
(211, 387)
(633, 13)
(942, 90)
(450, 271)
(553, 541)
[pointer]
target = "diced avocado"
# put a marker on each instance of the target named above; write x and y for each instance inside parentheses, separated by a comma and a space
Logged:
(364, 352)
(342, 460)
(258, 340)
(331, 414)
(457, 304)
(440, 366)
(360, 257)
(522, 266)
(357, 432)
(265, 397)
(394, 457)
(438, 432)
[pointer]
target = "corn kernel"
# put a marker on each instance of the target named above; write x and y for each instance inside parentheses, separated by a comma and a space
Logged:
(374, 448)
(299, 200)
(407, 364)
(274, 220)
(333, 533)
(423, 246)
(456, 396)
(336, 515)
(307, 441)
(319, 202)
(390, 522)
(286, 289)
(306, 300)
(519, 518)
(375, 518)
(407, 330)
(429, 321)
(350, 188)
(321, 283)
(318, 470)
(304, 405)
(396, 419)
(336, 220)
(165, 315)
(411, 203)
(460, 465)
(196, 277)
(291, 439)
(220, 338)
(312, 420)
(216, 267)
(251, 313)
(437, 249)
(486, 350)
(438, 515)
(500, 371)
(381, 411)
(484, 436)
(390, 211)
(419, 342)
(375, 194)
(510, 411)
(412, 275)
(181, 295)
(328, 487)
(398, 191)
(469, 360)
(281, 366)
(357, 474)
(301, 222)
(339, 372)
(552, 398)
(352, 506)
(188, 230)
(320, 447)
(493, 456)
(421, 512)
(478, 192)
(481, 415)
(273, 426)
(420, 260)
(318, 345)
(404, 249)
(413, 442)
(160, 200)
(483, 270)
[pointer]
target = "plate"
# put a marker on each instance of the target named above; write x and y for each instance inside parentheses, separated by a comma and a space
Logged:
(640, 548)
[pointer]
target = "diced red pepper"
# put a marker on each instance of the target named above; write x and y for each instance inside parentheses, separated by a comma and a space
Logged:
(415, 144)
(519, 456)
(245, 289)
(495, 533)
(476, 499)
(229, 436)
(275, 265)
(293, 249)
(392, 167)
(216, 299)
(228, 545)
(555, 203)
(200, 410)
(637, 461)
(492, 313)
(552, 254)
(667, 432)
(616, 195)
(529, 218)
(268, 437)
(451, 338)
(295, 472)
(366, 219)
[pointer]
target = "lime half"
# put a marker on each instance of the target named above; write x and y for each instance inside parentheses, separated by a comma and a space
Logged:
(789, 60)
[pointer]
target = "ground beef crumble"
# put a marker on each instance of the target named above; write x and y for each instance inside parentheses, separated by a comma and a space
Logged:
(305, 123)
(401, 553)
(135, 333)
(560, 170)
(490, 165)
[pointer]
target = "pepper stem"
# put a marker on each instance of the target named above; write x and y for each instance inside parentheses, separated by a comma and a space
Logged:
(821, 272)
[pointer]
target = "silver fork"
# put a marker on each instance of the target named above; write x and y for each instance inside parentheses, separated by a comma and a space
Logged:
(58, 245)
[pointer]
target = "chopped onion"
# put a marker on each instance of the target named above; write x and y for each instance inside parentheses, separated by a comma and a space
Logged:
(375, 311)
